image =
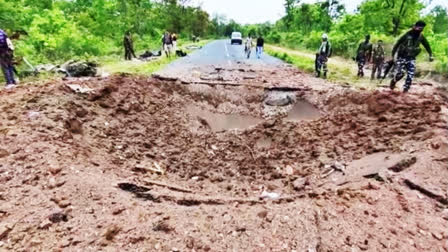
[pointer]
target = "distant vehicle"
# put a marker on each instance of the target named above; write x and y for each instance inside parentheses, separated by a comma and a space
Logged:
(236, 38)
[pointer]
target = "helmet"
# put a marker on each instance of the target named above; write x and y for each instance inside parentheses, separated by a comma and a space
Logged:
(324, 36)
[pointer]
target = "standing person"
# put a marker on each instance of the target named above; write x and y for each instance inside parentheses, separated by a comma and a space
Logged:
(378, 60)
(6, 59)
(363, 55)
(174, 39)
(128, 46)
(248, 47)
(260, 46)
(408, 48)
(167, 41)
(322, 56)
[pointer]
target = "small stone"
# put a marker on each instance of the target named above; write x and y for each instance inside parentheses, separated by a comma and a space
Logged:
(299, 184)
(58, 217)
(3, 153)
(45, 224)
(445, 214)
(269, 124)
(270, 217)
(189, 242)
(64, 203)
(118, 210)
(111, 232)
(263, 214)
(4, 230)
(55, 170)
(289, 170)
(175, 250)
(157, 246)
(437, 235)
(35, 242)
(227, 218)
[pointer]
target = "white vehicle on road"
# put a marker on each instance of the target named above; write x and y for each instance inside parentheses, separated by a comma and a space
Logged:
(236, 38)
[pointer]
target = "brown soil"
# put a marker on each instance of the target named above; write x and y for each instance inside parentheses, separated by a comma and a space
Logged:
(126, 167)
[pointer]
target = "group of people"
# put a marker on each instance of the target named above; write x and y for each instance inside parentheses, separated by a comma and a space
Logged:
(6, 59)
(404, 54)
(258, 49)
(169, 45)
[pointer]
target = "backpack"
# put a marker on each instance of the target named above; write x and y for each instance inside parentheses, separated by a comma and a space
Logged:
(167, 39)
(3, 40)
(411, 46)
(364, 48)
(378, 52)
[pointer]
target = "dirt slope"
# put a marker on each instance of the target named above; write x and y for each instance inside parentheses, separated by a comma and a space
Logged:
(125, 167)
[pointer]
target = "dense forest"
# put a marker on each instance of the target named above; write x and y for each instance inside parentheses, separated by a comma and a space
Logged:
(56, 30)
(304, 23)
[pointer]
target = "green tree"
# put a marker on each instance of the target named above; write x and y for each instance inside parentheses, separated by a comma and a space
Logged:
(440, 19)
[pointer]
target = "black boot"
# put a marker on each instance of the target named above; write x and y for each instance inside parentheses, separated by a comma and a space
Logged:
(392, 84)
(317, 74)
(325, 75)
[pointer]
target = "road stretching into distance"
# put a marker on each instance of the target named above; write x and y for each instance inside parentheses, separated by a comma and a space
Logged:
(217, 53)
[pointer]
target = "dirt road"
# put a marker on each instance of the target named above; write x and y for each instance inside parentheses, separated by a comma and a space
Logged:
(248, 157)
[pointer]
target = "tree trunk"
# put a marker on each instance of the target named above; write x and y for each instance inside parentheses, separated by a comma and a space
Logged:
(396, 21)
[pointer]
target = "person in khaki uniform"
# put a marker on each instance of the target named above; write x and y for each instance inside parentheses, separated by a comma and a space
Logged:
(378, 60)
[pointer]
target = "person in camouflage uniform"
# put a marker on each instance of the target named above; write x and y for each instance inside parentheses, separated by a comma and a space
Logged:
(322, 56)
(6, 59)
(128, 46)
(408, 48)
(378, 60)
(363, 55)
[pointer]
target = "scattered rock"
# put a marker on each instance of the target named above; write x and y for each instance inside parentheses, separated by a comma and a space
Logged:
(162, 226)
(270, 195)
(5, 228)
(189, 242)
(445, 214)
(3, 153)
(403, 164)
(278, 101)
(300, 184)
(64, 203)
(55, 169)
(269, 124)
(74, 126)
(118, 210)
(437, 235)
(58, 217)
(45, 224)
(263, 214)
(111, 232)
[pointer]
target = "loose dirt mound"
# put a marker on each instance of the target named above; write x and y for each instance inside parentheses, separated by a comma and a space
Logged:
(120, 164)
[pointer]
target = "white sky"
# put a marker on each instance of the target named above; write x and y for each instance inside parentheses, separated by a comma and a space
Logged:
(259, 11)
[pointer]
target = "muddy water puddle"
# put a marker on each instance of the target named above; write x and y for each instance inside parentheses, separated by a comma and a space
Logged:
(222, 122)
(303, 111)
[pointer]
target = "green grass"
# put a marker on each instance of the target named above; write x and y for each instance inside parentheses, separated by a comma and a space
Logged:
(135, 67)
(117, 65)
(341, 70)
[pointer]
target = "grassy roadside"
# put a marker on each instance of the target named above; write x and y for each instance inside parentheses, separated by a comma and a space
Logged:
(116, 64)
(341, 70)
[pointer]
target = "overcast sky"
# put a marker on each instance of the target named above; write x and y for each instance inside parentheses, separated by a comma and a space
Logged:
(259, 11)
